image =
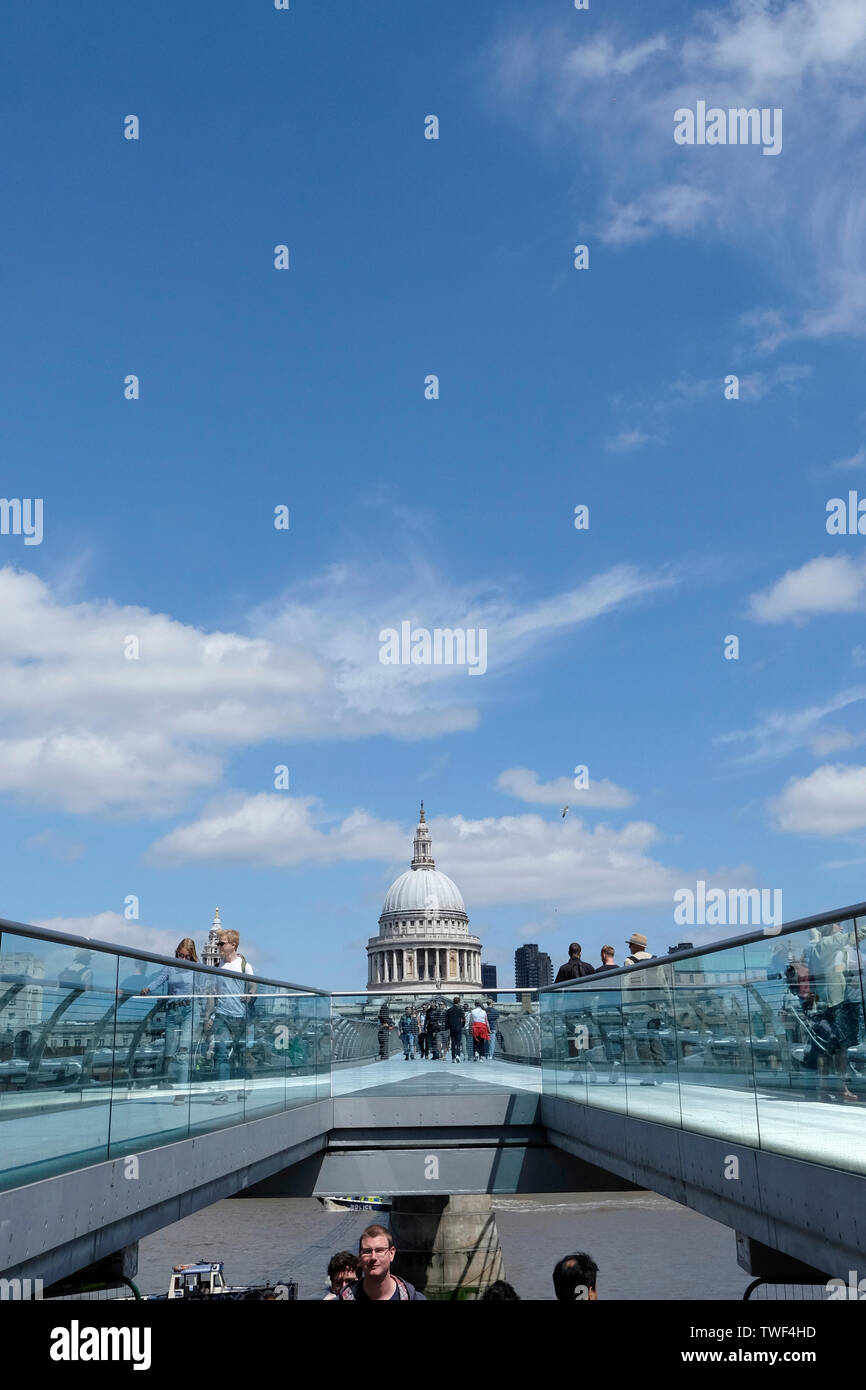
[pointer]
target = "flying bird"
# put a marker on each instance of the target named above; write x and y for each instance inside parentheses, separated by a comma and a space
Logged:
(564, 812)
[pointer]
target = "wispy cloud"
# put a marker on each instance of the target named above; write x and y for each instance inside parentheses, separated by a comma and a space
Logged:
(524, 784)
(855, 460)
(804, 56)
(627, 441)
(784, 732)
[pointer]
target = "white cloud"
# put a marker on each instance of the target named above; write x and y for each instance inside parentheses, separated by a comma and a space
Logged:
(762, 42)
(77, 715)
(523, 783)
(828, 584)
(113, 928)
(276, 829)
(830, 801)
(88, 772)
(509, 859)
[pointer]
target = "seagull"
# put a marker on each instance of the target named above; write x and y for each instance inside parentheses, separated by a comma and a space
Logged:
(564, 812)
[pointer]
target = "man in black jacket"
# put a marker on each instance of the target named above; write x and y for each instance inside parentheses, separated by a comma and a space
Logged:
(456, 1021)
(574, 967)
(435, 1024)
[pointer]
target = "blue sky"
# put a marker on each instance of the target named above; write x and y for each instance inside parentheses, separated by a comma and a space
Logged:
(305, 387)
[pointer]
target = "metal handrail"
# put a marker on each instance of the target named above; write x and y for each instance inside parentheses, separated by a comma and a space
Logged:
(821, 919)
(129, 953)
(711, 948)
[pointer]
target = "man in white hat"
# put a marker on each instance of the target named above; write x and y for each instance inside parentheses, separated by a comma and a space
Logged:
(652, 1050)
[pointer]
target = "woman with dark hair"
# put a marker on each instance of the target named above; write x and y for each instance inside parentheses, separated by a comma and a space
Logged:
(177, 984)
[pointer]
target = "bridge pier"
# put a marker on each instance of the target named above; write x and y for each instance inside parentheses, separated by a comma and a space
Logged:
(448, 1247)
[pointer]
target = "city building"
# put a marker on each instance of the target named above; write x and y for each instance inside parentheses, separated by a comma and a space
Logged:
(488, 976)
(424, 941)
(532, 968)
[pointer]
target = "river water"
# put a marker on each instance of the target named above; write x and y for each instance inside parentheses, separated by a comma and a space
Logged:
(645, 1246)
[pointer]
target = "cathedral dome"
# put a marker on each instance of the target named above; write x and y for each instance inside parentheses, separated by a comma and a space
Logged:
(424, 941)
(423, 890)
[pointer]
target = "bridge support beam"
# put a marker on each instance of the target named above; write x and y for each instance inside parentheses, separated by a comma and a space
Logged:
(766, 1263)
(447, 1246)
(123, 1262)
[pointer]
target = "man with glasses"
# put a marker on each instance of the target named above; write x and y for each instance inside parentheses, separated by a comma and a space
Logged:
(379, 1285)
(227, 1009)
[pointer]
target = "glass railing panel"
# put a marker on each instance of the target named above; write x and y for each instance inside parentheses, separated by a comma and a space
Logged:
(717, 1039)
(809, 1058)
(56, 1045)
(222, 1032)
(409, 1043)
(104, 1054)
(148, 1059)
(563, 1029)
(595, 1049)
(301, 1016)
(649, 1043)
(320, 1011)
(267, 1046)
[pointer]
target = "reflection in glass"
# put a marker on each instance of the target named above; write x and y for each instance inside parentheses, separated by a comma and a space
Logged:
(762, 1043)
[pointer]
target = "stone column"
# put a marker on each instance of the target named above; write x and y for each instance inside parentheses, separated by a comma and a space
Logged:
(448, 1247)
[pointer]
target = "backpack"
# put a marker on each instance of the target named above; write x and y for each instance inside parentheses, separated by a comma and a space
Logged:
(249, 999)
